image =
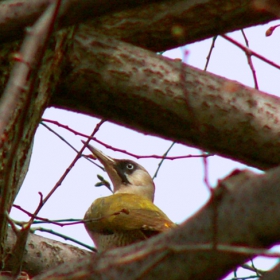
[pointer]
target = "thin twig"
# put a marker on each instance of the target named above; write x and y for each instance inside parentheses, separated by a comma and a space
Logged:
(120, 150)
(148, 156)
(64, 222)
(259, 272)
(65, 237)
(60, 223)
(210, 52)
(163, 158)
(250, 52)
(250, 62)
(72, 147)
(70, 166)
(270, 30)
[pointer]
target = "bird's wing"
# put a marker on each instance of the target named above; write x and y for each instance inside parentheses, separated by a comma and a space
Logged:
(121, 212)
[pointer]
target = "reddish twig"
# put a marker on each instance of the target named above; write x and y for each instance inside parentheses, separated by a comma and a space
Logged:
(22, 237)
(71, 165)
(250, 52)
(62, 224)
(147, 156)
(250, 62)
(35, 217)
(72, 147)
(270, 30)
(120, 150)
(206, 174)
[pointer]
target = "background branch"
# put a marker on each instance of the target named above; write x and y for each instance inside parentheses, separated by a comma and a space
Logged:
(183, 21)
(15, 15)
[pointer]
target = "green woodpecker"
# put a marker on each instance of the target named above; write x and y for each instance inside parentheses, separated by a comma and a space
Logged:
(129, 215)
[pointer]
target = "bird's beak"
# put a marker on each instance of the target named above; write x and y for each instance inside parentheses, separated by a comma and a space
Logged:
(109, 165)
(104, 159)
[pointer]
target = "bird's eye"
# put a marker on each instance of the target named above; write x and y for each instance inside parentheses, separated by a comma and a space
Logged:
(130, 166)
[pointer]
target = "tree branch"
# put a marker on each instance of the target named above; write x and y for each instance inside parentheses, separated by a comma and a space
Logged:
(42, 253)
(180, 22)
(21, 109)
(156, 95)
(176, 22)
(16, 104)
(15, 15)
(272, 274)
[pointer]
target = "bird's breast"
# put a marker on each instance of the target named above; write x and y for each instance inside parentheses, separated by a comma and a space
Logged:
(116, 239)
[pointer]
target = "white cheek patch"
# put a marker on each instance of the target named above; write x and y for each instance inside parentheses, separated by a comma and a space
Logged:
(139, 178)
(140, 183)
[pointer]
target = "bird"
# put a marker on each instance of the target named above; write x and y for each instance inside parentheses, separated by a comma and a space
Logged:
(129, 214)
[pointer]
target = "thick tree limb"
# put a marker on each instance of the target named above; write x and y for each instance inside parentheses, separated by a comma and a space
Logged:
(15, 15)
(159, 26)
(21, 108)
(273, 274)
(180, 22)
(16, 106)
(42, 253)
(153, 94)
(240, 220)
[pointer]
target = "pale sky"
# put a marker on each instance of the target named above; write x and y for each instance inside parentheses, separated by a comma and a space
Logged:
(180, 190)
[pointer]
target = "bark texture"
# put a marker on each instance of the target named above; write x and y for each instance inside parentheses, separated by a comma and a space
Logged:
(177, 23)
(15, 15)
(23, 102)
(273, 274)
(42, 254)
(144, 91)
(156, 25)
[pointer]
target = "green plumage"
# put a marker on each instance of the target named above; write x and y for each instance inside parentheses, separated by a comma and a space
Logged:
(125, 212)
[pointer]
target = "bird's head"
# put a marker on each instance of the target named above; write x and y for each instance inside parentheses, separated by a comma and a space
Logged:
(126, 175)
